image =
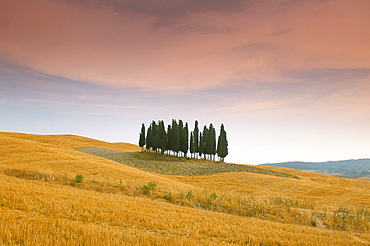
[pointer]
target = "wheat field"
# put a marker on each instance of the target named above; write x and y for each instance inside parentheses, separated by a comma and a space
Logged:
(41, 203)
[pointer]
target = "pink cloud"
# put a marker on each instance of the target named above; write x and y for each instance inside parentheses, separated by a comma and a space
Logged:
(103, 44)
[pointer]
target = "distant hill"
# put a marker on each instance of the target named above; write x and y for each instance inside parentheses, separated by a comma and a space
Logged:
(348, 167)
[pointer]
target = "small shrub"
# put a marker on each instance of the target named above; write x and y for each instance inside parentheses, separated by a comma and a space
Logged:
(119, 186)
(189, 195)
(169, 197)
(79, 178)
(149, 187)
(212, 197)
(313, 223)
(182, 195)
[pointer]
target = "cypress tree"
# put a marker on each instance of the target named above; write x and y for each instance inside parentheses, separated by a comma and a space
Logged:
(219, 147)
(201, 146)
(181, 135)
(175, 137)
(211, 142)
(222, 145)
(226, 144)
(149, 138)
(204, 142)
(169, 139)
(162, 137)
(192, 145)
(196, 137)
(185, 140)
(155, 136)
(142, 137)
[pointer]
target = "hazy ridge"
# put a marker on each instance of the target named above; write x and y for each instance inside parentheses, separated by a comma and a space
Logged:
(348, 167)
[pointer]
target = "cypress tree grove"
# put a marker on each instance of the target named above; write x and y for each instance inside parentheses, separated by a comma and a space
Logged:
(176, 140)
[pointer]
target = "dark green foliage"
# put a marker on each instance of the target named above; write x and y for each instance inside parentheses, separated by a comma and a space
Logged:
(192, 147)
(175, 137)
(196, 137)
(182, 136)
(79, 178)
(211, 142)
(162, 137)
(169, 139)
(176, 140)
(222, 144)
(155, 136)
(142, 136)
(202, 143)
(185, 140)
(149, 138)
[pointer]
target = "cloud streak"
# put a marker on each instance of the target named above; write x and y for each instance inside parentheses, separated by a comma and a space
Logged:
(281, 32)
(164, 12)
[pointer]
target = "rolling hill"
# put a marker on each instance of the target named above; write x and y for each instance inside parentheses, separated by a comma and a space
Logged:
(127, 199)
(347, 168)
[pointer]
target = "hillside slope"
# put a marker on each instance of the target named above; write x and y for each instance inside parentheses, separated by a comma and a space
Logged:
(41, 202)
(359, 168)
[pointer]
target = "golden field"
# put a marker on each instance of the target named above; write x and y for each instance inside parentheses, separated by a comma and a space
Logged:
(41, 203)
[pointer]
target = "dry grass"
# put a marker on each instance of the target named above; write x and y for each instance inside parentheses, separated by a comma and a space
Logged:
(40, 202)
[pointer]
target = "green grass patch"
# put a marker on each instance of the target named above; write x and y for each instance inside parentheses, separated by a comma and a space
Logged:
(172, 165)
(170, 158)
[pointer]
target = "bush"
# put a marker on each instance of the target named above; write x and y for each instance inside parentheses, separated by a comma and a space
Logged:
(149, 187)
(79, 178)
(189, 195)
(212, 197)
(119, 186)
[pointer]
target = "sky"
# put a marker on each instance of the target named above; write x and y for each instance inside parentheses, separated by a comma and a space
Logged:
(289, 79)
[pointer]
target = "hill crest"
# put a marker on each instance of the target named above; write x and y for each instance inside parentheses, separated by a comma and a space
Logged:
(347, 167)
